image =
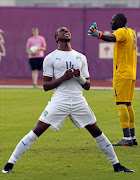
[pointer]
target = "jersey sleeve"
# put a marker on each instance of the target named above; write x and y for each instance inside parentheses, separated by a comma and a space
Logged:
(48, 67)
(120, 35)
(84, 68)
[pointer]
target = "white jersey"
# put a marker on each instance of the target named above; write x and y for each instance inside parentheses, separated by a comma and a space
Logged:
(55, 65)
(68, 99)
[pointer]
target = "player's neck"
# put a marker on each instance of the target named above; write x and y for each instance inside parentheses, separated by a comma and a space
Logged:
(64, 46)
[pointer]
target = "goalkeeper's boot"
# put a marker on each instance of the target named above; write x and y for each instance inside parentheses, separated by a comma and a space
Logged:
(134, 141)
(124, 142)
(8, 168)
(119, 168)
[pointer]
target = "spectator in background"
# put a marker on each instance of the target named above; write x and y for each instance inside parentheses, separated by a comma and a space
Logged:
(36, 45)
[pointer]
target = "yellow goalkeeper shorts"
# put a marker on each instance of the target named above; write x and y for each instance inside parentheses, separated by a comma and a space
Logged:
(123, 89)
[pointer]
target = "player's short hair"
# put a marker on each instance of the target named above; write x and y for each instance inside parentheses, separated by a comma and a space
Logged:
(122, 18)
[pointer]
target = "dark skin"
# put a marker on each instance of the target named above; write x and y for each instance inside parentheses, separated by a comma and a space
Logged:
(63, 37)
(115, 24)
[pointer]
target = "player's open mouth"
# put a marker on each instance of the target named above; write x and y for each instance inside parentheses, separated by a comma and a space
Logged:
(67, 34)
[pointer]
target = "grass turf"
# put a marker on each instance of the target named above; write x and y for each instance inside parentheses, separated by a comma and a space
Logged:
(69, 154)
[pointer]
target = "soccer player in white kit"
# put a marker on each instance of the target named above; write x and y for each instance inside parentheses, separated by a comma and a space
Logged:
(66, 70)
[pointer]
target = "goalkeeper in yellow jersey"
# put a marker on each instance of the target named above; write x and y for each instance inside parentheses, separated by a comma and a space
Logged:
(124, 73)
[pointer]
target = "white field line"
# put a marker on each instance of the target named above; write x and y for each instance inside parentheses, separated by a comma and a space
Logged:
(17, 124)
(18, 86)
(98, 87)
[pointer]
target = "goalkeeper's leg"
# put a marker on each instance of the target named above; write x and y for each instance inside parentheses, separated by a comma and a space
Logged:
(124, 120)
(132, 124)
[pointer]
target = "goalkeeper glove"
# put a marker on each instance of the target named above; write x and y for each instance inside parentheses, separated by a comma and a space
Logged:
(93, 31)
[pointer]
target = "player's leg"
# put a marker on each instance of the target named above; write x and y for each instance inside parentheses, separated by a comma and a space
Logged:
(34, 68)
(35, 77)
(121, 93)
(24, 144)
(105, 145)
(124, 122)
(102, 142)
(83, 116)
(132, 124)
(50, 117)
(132, 115)
(37, 66)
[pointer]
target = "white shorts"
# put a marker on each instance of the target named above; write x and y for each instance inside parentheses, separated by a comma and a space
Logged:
(60, 107)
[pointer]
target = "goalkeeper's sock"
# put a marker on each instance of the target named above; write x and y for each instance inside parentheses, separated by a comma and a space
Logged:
(132, 118)
(105, 145)
(132, 132)
(126, 133)
(23, 146)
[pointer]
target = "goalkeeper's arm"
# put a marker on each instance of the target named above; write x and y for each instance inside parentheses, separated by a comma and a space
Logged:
(108, 37)
(93, 31)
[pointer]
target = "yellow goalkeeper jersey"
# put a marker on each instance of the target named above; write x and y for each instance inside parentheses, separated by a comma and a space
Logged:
(125, 54)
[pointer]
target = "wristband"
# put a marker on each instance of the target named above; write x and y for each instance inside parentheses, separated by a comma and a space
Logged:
(81, 79)
(99, 34)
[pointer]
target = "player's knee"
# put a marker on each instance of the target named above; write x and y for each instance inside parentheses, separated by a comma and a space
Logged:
(40, 128)
(94, 130)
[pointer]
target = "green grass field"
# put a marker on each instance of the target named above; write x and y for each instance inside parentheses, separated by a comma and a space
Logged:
(69, 154)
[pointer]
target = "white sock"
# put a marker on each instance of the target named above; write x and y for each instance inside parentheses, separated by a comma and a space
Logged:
(105, 145)
(127, 138)
(133, 137)
(24, 144)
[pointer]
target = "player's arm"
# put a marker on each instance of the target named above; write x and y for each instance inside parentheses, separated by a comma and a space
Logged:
(108, 37)
(86, 86)
(43, 48)
(93, 31)
(85, 82)
(49, 83)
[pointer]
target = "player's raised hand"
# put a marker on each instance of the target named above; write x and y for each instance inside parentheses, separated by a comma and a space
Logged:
(93, 31)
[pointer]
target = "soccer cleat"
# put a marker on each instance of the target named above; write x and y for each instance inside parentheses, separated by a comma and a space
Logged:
(124, 142)
(122, 169)
(134, 142)
(8, 168)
